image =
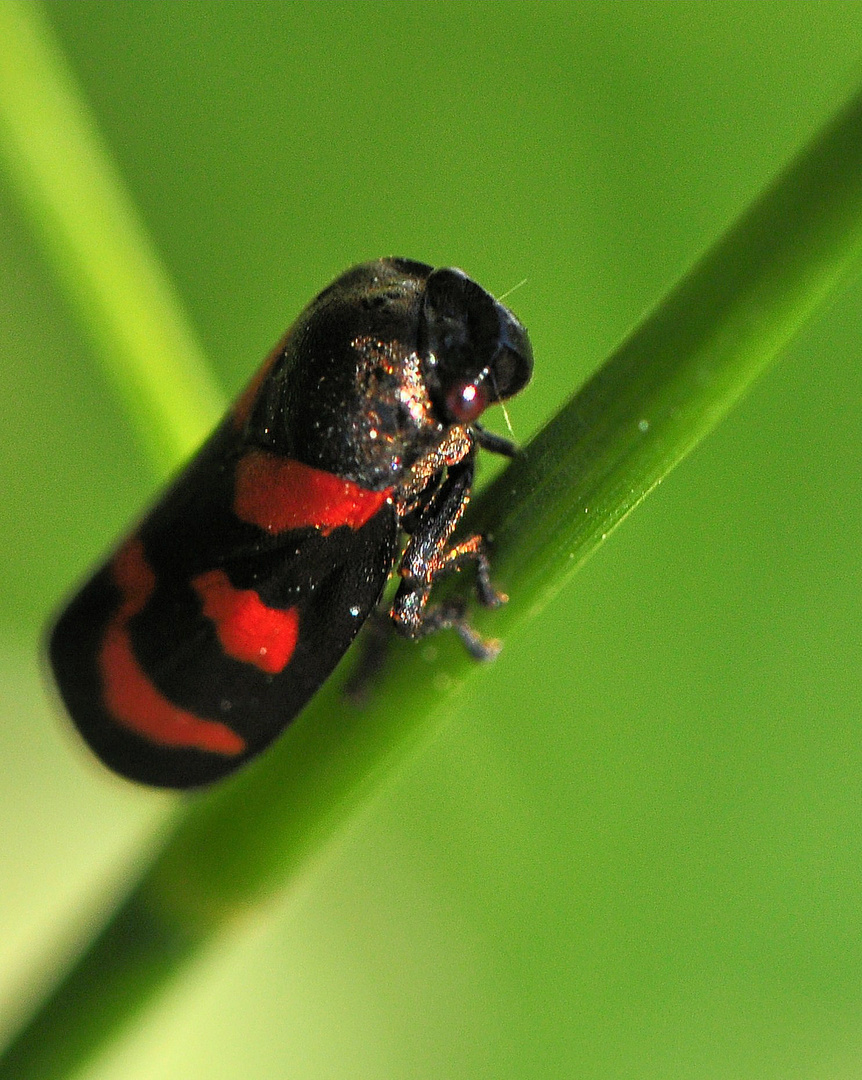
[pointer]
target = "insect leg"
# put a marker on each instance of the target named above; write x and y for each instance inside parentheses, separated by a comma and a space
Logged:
(428, 557)
(495, 444)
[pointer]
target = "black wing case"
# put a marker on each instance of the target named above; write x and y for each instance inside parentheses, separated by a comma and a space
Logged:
(213, 624)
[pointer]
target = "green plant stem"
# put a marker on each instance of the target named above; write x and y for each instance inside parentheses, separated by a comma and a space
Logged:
(114, 981)
(669, 383)
(657, 396)
(90, 232)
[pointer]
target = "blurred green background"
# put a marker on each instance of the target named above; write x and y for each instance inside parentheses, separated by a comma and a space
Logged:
(636, 849)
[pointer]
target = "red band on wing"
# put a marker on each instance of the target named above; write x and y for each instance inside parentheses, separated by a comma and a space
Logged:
(247, 629)
(277, 494)
(130, 695)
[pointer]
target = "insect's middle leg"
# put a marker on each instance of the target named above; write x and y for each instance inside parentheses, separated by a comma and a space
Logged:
(428, 557)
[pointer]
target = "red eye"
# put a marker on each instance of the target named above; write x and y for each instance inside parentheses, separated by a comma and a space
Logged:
(466, 401)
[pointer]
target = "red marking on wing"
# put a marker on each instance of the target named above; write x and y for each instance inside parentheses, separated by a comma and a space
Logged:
(130, 695)
(247, 629)
(277, 494)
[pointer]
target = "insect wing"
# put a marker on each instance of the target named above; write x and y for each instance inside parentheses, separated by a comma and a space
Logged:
(214, 623)
(206, 634)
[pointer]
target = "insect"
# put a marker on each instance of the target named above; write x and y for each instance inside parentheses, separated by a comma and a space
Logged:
(212, 625)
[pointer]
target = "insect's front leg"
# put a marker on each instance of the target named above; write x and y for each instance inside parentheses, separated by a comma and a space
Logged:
(429, 557)
(496, 444)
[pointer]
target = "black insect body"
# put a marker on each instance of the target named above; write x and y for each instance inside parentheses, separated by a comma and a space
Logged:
(218, 618)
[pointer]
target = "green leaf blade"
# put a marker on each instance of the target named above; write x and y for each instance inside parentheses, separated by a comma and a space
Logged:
(91, 234)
